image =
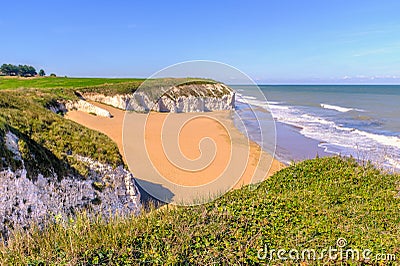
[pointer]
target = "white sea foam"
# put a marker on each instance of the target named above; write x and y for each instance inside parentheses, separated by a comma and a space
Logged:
(268, 105)
(335, 125)
(275, 103)
(392, 163)
(338, 139)
(385, 140)
(253, 102)
(339, 108)
(249, 97)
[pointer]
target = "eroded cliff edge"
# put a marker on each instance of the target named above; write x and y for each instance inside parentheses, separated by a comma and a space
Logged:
(177, 99)
(28, 196)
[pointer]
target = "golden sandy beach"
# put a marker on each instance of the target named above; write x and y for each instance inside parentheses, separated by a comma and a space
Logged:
(203, 152)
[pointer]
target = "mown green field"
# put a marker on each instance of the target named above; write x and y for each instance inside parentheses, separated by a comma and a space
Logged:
(59, 82)
(309, 205)
(107, 86)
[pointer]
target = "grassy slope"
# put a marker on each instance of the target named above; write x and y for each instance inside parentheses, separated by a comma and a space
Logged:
(47, 140)
(308, 205)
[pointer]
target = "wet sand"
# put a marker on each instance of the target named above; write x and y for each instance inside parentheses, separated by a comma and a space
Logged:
(182, 154)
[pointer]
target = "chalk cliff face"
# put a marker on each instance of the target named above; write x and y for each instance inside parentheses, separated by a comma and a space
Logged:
(84, 106)
(24, 199)
(118, 101)
(184, 98)
(79, 105)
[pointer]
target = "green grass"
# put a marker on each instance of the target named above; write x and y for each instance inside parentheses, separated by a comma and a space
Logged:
(106, 86)
(151, 86)
(59, 82)
(308, 205)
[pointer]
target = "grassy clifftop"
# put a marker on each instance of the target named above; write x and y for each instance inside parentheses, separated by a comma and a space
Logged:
(107, 86)
(149, 86)
(308, 205)
(59, 82)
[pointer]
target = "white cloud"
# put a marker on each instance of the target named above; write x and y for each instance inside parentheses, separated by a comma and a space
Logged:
(371, 52)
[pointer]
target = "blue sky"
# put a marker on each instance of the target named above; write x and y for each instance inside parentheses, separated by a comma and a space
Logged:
(272, 41)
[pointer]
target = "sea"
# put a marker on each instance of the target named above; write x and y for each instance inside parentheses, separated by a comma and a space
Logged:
(297, 122)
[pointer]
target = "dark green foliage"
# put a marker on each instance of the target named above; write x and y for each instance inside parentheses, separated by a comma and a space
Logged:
(7, 159)
(26, 71)
(22, 70)
(39, 160)
(308, 205)
(42, 73)
(9, 70)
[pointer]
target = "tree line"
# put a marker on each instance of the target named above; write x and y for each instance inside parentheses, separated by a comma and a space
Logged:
(20, 70)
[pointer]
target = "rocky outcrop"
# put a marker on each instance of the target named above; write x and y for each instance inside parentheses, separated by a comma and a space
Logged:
(87, 107)
(24, 200)
(119, 101)
(184, 104)
(79, 105)
(183, 98)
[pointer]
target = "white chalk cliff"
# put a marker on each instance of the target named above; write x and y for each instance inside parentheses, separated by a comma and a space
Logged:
(184, 98)
(24, 200)
(79, 105)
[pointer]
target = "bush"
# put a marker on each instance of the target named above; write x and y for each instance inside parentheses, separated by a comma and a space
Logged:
(22, 70)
